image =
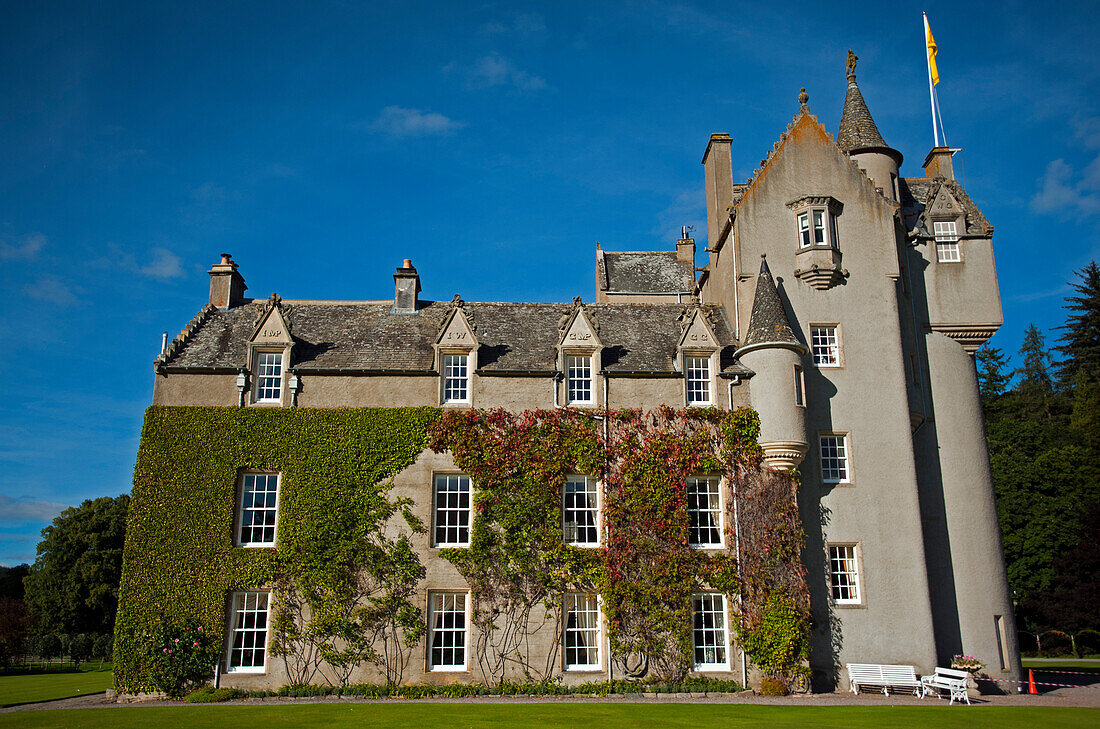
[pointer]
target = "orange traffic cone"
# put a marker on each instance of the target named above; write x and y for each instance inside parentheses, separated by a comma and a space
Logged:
(1031, 689)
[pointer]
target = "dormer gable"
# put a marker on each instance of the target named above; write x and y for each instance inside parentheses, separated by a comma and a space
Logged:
(272, 327)
(456, 331)
(696, 334)
(578, 329)
(943, 205)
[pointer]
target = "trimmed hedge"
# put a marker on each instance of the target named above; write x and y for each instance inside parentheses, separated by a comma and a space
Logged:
(179, 562)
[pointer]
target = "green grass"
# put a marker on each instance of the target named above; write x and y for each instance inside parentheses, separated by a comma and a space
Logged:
(31, 688)
(1068, 665)
(549, 716)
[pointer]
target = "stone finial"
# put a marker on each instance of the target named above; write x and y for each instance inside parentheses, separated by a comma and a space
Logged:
(852, 58)
(803, 97)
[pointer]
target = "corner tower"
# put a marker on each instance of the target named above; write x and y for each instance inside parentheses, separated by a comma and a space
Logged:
(773, 352)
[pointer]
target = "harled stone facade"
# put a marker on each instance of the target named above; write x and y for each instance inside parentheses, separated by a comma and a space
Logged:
(840, 300)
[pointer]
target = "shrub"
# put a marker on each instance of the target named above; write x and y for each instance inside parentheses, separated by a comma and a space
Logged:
(183, 656)
(772, 686)
(210, 695)
(80, 647)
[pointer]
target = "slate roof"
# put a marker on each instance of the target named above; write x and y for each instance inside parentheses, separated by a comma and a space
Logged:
(857, 129)
(647, 272)
(513, 337)
(768, 323)
(917, 193)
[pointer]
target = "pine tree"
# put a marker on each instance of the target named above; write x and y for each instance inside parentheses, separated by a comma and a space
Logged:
(1035, 385)
(1081, 336)
(992, 378)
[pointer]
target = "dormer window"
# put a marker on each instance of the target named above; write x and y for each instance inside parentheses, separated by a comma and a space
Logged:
(579, 379)
(269, 377)
(456, 378)
(697, 373)
(947, 241)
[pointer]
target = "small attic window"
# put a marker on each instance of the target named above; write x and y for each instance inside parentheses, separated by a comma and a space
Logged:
(947, 241)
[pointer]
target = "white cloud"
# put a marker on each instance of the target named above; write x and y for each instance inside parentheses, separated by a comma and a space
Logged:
(495, 70)
(163, 265)
(524, 23)
(24, 509)
(402, 122)
(1062, 189)
(26, 250)
(52, 290)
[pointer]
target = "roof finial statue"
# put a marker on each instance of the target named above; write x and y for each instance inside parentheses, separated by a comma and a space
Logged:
(852, 58)
(803, 97)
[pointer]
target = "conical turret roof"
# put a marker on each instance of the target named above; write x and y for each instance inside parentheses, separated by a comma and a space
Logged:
(768, 323)
(858, 131)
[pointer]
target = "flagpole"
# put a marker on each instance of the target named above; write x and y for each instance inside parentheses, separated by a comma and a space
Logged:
(931, 92)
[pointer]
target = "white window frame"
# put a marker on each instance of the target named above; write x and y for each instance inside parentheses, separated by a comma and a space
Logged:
(261, 378)
(947, 241)
(843, 470)
(240, 610)
(691, 376)
(590, 601)
(593, 487)
(825, 345)
(447, 509)
(845, 560)
(813, 223)
(581, 363)
(716, 513)
(243, 509)
(721, 632)
(438, 610)
(448, 362)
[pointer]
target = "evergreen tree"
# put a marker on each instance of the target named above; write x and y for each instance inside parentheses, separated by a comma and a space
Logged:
(992, 378)
(1035, 385)
(1081, 337)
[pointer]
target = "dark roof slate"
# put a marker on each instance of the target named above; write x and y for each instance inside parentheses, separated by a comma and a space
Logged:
(648, 272)
(768, 322)
(857, 129)
(917, 194)
(513, 337)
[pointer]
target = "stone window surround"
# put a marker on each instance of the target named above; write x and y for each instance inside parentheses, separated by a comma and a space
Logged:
(436, 475)
(861, 585)
(725, 613)
(471, 365)
(592, 480)
(721, 543)
(238, 603)
(849, 459)
(238, 522)
(592, 353)
(254, 366)
(599, 637)
(837, 332)
(430, 612)
(711, 356)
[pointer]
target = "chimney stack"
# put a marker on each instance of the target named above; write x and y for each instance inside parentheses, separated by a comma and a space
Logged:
(718, 167)
(406, 288)
(226, 284)
(685, 247)
(938, 163)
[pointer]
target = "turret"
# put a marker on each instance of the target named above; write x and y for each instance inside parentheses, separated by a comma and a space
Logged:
(772, 351)
(860, 138)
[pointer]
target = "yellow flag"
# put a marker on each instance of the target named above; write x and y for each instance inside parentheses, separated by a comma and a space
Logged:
(931, 43)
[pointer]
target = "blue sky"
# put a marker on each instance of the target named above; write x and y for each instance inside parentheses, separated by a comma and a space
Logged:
(321, 143)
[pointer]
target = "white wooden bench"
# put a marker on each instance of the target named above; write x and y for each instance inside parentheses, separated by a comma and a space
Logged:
(861, 675)
(946, 679)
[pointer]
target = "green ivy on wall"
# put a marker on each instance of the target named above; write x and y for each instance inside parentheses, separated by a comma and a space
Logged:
(179, 562)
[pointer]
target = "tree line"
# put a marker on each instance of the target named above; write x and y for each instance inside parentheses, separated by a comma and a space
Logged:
(1042, 416)
(64, 604)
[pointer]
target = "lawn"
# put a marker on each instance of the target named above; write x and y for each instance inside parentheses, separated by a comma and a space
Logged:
(549, 716)
(30, 688)
(1063, 664)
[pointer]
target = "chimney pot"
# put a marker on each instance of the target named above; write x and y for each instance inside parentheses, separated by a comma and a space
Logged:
(407, 264)
(227, 258)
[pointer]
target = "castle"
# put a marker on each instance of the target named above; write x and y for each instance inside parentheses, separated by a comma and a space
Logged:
(840, 300)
